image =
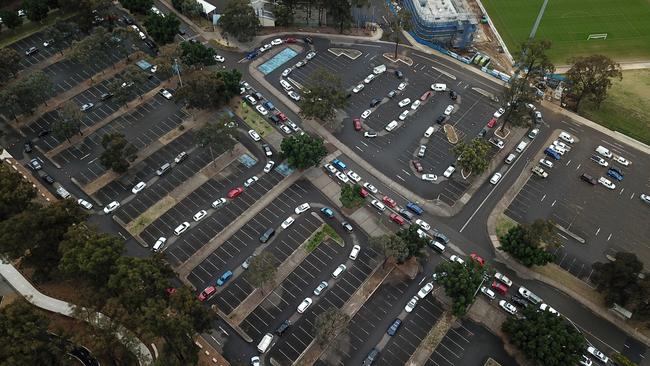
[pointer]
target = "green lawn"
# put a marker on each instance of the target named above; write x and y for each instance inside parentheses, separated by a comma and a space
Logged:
(627, 109)
(568, 23)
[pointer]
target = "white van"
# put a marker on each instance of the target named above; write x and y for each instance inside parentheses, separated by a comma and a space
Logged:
(285, 84)
(379, 69)
(522, 145)
(602, 150)
(439, 87)
(428, 132)
(391, 126)
(264, 344)
(437, 246)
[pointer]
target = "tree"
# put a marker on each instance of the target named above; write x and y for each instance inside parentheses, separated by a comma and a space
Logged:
(544, 338)
(89, 254)
(134, 281)
(473, 157)
(134, 76)
(400, 22)
(16, 194)
(341, 13)
(303, 151)
(239, 19)
(11, 19)
(326, 94)
(162, 29)
(69, 122)
(197, 54)
(203, 90)
(515, 96)
(117, 152)
(56, 36)
(524, 245)
(40, 86)
(220, 136)
(138, 6)
(231, 81)
(190, 8)
(283, 15)
(591, 77)
(90, 48)
(262, 269)
(534, 63)
(390, 246)
(25, 340)
(618, 280)
(350, 197)
(9, 63)
(329, 324)
(36, 9)
(461, 283)
(414, 242)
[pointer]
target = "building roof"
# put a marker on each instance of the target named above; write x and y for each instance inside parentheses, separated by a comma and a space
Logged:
(207, 7)
(441, 10)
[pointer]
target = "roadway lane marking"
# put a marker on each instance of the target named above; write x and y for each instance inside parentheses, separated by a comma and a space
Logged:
(407, 173)
(597, 231)
(542, 198)
(609, 237)
(553, 204)
(400, 178)
(366, 145)
(358, 148)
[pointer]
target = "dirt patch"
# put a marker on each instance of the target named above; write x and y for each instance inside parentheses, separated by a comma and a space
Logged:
(450, 131)
(251, 117)
(556, 273)
(138, 225)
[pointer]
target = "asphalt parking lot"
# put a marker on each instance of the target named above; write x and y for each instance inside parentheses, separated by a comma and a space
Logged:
(37, 40)
(608, 220)
(301, 333)
(141, 126)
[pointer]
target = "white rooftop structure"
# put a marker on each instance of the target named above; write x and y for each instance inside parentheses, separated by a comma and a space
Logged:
(207, 7)
(442, 10)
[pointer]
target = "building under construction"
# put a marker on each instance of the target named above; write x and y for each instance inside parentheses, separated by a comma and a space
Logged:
(447, 23)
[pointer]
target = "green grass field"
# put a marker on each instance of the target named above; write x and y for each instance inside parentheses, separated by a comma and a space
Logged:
(568, 23)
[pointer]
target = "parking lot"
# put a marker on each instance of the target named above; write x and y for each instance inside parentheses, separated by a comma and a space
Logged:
(609, 220)
(37, 40)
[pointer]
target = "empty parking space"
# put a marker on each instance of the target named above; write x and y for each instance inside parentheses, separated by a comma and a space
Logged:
(38, 40)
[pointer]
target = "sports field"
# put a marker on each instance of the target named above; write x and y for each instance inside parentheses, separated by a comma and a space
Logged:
(568, 24)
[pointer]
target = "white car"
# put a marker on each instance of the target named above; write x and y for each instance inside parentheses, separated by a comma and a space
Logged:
(47, 43)
(391, 126)
(599, 160)
(508, 307)
(449, 109)
(321, 287)
(286, 223)
(300, 64)
(358, 88)
(596, 353)
(547, 307)
(561, 145)
(85, 204)
(558, 149)
(531, 107)
(255, 361)
(138, 187)
(411, 304)
(276, 42)
(415, 105)
(142, 35)
(269, 165)
(621, 160)
(378, 205)
(404, 102)
(304, 305)
(566, 137)
(293, 126)
(200, 215)
(366, 113)
(495, 178)
(499, 113)
(265, 48)
(607, 183)
(254, 135)
(487, 292)
(355, 252)
(401, 86)
(330, 168)
(354, 176)
(501, 277)
(429, 177)
(449, 171)
(370, 134)
(585, 361)
(425, 290)
(166, 94)
(219, 58)
(310, 55)
(86, 107)
(342, 177)
(111, 207)
(286, 72)
(295, 96)
(369, 78)
(262, 110)
(302, 208)
(423, 224)
(645, 198)
(546, 163)
(370, 188)
(457, 259)
(403, 115)
(250, 181)
(181, 228)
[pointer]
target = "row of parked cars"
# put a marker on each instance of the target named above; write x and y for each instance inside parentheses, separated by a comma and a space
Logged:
(267, 109)
(613, 172)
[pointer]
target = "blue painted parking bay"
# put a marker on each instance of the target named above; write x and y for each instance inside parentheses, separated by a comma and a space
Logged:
(277, 60)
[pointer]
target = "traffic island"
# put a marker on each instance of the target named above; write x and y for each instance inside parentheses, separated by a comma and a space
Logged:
(450, 131)
(433, 338)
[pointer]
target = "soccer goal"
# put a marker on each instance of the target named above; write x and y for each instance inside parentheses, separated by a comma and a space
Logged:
(597, 36)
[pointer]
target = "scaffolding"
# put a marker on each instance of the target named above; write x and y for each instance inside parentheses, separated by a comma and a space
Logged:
(448, 23)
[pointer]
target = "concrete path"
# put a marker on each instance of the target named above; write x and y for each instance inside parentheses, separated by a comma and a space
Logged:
(31, 294)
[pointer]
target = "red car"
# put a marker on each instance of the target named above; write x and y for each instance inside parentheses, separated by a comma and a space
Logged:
(281, 116)
(357, 124)
(492, 122)
(363, 193)
(389, 202)
(170, 290)
(235, 192)
(475, 257)
(500, 288)
(289, 40)
(209, 291)
(417, 166)
(397, 219)
(426, 95)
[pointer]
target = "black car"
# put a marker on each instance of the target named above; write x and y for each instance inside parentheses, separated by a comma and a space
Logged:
(399, 74)
(47, 178)
(519, 301)
(44, 133)
(106, 96)
(181, 31)
(274, 119)
(127, 20)
(28, 146)
(375, 102)
(440, 237)
(308, 40)
(440, 119)
(453, 95)
(283, 327)
(150, 44)
(267, 150)
(394, 327)
(258, 96)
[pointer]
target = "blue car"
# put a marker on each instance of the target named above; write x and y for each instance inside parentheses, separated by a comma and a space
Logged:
(327, 211)
(415, 208)
(268, 105)
(552, 153)
(394, 327)
(251, 55)
(338, 164)
(224, 278)
(615, 173)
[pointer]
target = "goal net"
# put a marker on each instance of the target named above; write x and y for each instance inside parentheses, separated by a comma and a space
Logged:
(597, 36)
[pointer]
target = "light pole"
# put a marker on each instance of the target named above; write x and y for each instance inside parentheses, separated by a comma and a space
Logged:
(178, 71)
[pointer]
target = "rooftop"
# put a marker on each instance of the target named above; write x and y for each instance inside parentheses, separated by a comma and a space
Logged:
(442, 10)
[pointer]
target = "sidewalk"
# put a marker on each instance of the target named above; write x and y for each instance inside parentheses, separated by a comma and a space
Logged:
(31, 294)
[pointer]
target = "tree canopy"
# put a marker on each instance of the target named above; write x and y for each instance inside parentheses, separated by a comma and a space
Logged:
(326, 94)
(329, 324)
(340, 12)
(303, 151)
(9, 63)
(117, 152)
(534, 63)
(350, 197)
(206, 89)
(262, 269)
(239, 19)
(10, 18)
(16, 194)
(69, 121)
(162, 29)
(473, 156)
(591, 77)
(36, 10)
(461, 282)
(619, 280)
(220, 136)
(401, 246)
(197, 54)
(138, 6)
(524, 242)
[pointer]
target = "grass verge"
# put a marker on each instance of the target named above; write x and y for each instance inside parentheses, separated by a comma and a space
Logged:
(28, 28)
(504, 223)
(627, 108)
(321, 235)
(251, 117)
(558, 274)
(136, 226)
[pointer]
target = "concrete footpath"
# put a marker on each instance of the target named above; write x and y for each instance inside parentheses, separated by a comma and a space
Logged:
(31, 294)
